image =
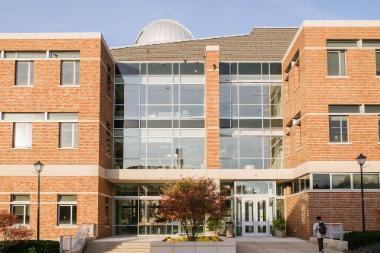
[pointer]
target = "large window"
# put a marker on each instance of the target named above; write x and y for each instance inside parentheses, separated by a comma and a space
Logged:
(336, 63)
(67, 210)
(20, 208)
(24, 73)
(22, 135)
(341, 181)
(68, 135)
(338, 129)
(70, 72)
(370, 181)
(321, 181)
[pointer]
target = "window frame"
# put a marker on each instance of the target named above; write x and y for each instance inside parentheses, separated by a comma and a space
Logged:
(340, 129)
(377, 71)
(70, 204)
(76, 79)
(30, 82)
(339, 51)
(21, 203)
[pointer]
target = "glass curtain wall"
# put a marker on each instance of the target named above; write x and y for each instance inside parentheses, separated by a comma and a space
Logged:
(251, 115)
(159, 116)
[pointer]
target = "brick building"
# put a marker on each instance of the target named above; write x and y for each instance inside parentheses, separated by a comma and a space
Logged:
(276, 116)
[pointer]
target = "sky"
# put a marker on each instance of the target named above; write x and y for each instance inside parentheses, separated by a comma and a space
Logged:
(121, 20)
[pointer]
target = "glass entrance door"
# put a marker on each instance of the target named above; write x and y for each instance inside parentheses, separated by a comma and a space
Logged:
(255, 216)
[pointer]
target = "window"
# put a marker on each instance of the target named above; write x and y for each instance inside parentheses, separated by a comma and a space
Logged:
(68, 135)
(20, 208)
(22, 135)
(70, 72)
(321, 181)
(24, 73)
(370, 181)
(341, 181)
(67, 210)
(344, 108)
(336, 63)
(378, 63)
(338, 129)
(65, 54)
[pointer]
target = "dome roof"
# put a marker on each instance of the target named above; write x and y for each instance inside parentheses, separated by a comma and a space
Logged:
(163, 30)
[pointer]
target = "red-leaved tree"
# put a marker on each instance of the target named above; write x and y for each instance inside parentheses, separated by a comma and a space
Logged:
(10, 231)
(193, 202)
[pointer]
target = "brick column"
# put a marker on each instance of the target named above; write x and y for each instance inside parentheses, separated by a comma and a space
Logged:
(212, 107)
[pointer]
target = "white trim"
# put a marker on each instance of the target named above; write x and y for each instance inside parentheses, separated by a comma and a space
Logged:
(53, 170)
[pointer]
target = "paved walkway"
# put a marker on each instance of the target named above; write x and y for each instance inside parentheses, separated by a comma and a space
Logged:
(277, 245)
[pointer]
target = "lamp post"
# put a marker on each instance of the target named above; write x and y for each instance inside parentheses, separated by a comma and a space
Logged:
(38, 166)
(361, 161)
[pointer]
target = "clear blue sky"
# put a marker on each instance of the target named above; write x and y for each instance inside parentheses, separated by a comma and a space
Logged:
(121, 20)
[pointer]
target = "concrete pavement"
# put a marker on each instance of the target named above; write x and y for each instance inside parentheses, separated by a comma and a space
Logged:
(277, 245)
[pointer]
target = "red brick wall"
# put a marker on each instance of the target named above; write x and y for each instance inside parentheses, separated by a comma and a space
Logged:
(333, 207)
(212, 110)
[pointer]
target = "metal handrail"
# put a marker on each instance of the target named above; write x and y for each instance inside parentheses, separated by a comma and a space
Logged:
(76, 243)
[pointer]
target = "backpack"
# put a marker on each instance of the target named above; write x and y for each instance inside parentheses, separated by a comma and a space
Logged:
(322, 228)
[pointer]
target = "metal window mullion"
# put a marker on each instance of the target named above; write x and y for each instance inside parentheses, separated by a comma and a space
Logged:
(29, 64)
(24, 213)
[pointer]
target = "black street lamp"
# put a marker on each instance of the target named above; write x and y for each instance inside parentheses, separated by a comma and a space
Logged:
(361, 161)
(38, 166)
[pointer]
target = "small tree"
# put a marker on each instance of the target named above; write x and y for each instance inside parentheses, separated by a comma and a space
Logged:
(10, 231)
(193, 203)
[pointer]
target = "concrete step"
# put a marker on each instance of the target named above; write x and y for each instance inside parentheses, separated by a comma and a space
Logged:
(117, 247)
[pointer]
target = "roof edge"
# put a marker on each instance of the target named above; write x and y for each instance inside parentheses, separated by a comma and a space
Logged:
(341, 23)
(63, 35)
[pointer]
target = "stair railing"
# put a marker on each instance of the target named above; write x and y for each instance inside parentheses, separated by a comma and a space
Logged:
(76, 243)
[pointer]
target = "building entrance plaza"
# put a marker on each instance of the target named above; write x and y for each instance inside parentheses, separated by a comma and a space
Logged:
(252, 208)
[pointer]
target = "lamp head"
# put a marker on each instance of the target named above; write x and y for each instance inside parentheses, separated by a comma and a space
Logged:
(361, 159)
(38, 166)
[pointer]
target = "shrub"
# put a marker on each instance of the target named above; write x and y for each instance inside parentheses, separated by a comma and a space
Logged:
(279, 223)
(360, 239)
(193, 203)
(30, 246)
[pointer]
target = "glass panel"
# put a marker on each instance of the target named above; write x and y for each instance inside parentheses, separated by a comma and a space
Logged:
(275, 71)
(159, 68)
(20, 197)
(25, 54)
(261, 210)
(22, 135)
(341, 43)
(342, 58)
(18, 210)
(131, 95)
(341, 181)
(370, 181)
(195, 68)
(64, 214)
(129, 68)
(248, 210)
(19, 116)
(126, 212)
(224, 68)
(63, 116)
(159, 94)
(377, 63)
(253, 69)
(250, 95)
(333, 63)
(24, 73)
(67, 198)
(67, 72)
(321, 181)
(126, 190)
(64, 54)
(66, 135)
(250, 146)
(192, 94)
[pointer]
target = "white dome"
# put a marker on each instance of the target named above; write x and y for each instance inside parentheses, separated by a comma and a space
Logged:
(163, 30)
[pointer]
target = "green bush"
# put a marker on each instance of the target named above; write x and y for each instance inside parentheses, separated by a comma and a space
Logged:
(30, 246)
(279, 223)
(360, 239)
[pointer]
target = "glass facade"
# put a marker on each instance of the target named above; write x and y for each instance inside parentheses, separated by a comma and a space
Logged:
(251, 115)
(159, 116)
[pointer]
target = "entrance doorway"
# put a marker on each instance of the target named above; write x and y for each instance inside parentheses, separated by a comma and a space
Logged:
(256, 216)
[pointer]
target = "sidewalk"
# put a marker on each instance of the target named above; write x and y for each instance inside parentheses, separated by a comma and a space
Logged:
(277, 245)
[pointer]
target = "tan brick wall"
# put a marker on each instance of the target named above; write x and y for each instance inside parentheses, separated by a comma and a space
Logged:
(95, 108)
(212, 110)
(333, 207)
(315, 91)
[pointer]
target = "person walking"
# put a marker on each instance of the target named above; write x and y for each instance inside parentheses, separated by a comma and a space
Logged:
(319, 230)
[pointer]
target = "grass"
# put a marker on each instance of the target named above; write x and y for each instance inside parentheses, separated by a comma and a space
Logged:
(199, 239)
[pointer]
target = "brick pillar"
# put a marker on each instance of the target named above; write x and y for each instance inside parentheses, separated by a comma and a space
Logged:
(212, 107)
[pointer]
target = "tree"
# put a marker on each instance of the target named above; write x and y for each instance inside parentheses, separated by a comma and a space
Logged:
(10, 231)
(193, 203)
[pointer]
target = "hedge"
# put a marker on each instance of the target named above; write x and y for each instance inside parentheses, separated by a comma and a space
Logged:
(360, 239)
(30, 246)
